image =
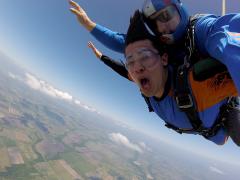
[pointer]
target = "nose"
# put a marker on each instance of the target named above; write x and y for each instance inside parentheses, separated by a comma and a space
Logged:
(138, 67)
(162, 27)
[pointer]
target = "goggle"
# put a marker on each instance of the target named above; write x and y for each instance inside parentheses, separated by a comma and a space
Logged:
(165, 14)
(146, 57)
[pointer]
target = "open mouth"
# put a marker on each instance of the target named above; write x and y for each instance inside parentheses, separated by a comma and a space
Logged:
(164, 38)
(144, 83)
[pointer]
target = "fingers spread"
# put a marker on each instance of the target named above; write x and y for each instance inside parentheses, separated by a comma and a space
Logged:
(75, 5)
(74, 10)
(90, 44)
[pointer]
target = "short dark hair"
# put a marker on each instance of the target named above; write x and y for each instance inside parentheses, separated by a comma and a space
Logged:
(138, 31)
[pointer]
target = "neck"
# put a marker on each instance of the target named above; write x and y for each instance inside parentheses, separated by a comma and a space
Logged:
(167, 85)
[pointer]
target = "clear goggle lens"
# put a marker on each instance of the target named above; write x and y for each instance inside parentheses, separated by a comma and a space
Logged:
(145, 57)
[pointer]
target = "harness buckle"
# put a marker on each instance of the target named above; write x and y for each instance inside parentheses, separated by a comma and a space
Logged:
(184, 101)
(205, 132)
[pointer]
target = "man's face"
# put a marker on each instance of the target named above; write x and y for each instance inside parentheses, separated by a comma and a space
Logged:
(146, 67)
(166, 21)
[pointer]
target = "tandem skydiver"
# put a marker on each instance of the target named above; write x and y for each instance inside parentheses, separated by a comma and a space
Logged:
(195, 112)
(147, 65)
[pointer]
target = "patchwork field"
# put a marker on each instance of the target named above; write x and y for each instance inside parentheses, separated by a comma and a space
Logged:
(15, 156)
(4, 160)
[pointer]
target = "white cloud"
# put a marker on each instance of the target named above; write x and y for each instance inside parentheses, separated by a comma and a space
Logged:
(11, 75)
(79, 103)
(15, 76)
(32, 82)
(214, 169)
(123, 140)
(137, 163)
(46, 88)
(144, 146)
(40, 85)
(149, 176)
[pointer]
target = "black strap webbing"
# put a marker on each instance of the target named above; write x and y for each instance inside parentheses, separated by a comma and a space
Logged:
(184, 97)
(220, 122)
(183, 94)
(150, 108)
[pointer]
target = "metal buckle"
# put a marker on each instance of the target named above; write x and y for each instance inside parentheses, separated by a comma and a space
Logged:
(181, 101)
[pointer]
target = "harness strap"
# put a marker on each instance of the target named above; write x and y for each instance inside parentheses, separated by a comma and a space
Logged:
(150, 108)
(183, 94)
(179, 130)
(184, 97)
(219, 123)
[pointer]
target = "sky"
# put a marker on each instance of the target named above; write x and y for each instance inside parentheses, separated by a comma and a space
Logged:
(45, 37)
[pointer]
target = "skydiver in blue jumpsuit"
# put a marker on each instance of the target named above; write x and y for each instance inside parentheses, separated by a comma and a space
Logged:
(214, 36)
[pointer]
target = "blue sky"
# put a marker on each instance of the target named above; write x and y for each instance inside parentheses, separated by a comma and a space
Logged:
(45, 37)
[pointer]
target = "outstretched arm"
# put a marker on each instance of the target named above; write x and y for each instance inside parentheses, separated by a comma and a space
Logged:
(82, 16)
(118, 67)
(97, 53)
(112, 40)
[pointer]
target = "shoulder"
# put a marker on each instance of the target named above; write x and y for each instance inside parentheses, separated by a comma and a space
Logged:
(203, 27)
(206, 20)
(202, 20)
(197, 16)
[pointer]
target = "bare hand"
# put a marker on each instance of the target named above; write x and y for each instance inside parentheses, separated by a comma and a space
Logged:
(95, 50)
(81, 16)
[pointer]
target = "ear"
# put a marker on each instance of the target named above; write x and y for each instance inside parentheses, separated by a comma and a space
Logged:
(164, 58)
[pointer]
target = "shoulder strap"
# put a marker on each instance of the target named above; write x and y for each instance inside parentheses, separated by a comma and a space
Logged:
(190, 38)
(146, 99)
(184, 98)
(194, 17)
